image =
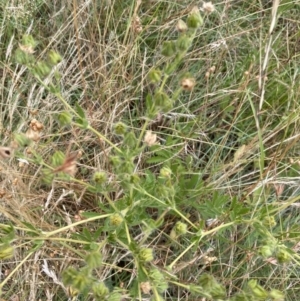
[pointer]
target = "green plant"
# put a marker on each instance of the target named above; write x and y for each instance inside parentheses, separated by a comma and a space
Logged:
(162, 219)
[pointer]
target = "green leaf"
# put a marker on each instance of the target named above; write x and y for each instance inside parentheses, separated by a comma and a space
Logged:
(82, 123)
(151, 109)
(237, 209)
(193, 182)
(130, 140)
(79, 110)
(31, 227)
(86, 233)
(156, 160)
(81, 118)
(37, 244)
(64, 118)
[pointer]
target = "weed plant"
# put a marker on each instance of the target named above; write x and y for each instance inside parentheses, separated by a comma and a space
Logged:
(149, 150)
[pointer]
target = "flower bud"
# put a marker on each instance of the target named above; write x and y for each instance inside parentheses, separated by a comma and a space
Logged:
(211, 286)
(29, 41)
(120, 129)
(23, 58)
(283, 256)
(76, 279)
(64, 118)
(115, 160)
(28, 44)
(146, 255)
(258, 291)
(35, 125)
(165, 172)
(276, 295)
(100, 290)
(212, 69)
(134, 179)
(183, 43)
(181, 228)
(266, 251)
(168, 48)
(116, 219)
(164, 192)
(158, 279)
(54, 58)
(100, 177)
(269, 221)
(58, 159)
(6, 251)
(194, 20)
(42, 69)
(155, 76)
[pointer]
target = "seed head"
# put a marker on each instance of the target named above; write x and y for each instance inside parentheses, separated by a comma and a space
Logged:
(188, 84)
(145, 287)
(212, 69)
(208, 7)
(33, 135)
(150, 138)
(181, 26)
(136, 24)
